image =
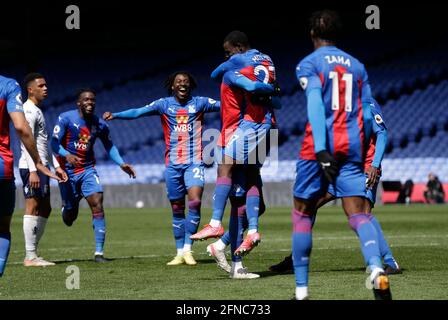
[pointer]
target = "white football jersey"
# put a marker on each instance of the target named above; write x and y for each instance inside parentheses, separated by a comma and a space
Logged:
(36, 120)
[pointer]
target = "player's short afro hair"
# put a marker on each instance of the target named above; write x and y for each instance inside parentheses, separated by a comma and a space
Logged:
(31, 77)
(170, 81)
(326, 25)
(237, 37)
(82, 90)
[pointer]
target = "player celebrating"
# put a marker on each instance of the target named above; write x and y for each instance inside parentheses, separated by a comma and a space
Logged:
(372, 168)
(11, 108)
(73, 139)
(238, 223)
(182, 117)
(333, 150)
(36, 186)
(247, 120)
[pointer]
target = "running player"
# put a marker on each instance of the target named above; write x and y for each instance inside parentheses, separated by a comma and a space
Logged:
(73, 139)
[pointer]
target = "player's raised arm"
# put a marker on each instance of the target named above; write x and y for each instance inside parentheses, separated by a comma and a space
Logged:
(151, 109)
(113, 152)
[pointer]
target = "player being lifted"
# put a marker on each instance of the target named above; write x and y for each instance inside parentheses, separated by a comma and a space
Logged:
(73, 139)
(182, 117)
(11, 109)
(36, 186)
(333, 152)
(247, 116)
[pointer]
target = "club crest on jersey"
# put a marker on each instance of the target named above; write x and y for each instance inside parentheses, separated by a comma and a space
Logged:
(182, 122)
(83, 142)
(191, 109)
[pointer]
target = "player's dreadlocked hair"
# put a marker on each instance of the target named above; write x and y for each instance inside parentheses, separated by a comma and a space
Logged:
(326, 24)
(237, 38)
(31, 77)
(170, 81)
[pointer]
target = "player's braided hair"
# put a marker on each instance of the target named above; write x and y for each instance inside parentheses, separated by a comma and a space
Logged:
(326, 24)
(31, 77)
(170, 81)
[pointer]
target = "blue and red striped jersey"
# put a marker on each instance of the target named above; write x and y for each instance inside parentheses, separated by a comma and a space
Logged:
(10, 101)
(345, 86)
(182, 126)
(78, 137)
(236, 102)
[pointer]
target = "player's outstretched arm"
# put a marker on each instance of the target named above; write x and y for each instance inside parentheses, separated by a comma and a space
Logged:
(114, 154)
(130, 113)
(26, 136)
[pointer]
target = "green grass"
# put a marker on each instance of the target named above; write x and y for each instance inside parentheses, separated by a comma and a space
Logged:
(141, 243)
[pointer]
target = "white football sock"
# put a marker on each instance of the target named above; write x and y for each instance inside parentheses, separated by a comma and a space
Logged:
(251, 231)
(180, 252)
(215, 223)
(237, 265)
(30, 233)
(187, 247)
(219, 245)
(301, 293)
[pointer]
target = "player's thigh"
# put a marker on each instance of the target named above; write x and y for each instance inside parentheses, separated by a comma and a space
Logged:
(310, 184)
(350, 182)
(90, 183)
(7, 198)
(194, 176)
(371, 197)
(257, 144)
(69, 194)
(174, 183)
(28, 192)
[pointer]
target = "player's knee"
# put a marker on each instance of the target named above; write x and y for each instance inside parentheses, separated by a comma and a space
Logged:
(302, 222)
(178, 208)
(356, 220)
(194, 205)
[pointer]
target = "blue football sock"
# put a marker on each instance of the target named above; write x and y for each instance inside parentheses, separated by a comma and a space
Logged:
(252, 207)
(368, 238)
(178, 225)
(226, 237)
(302, 242)
(385, 251)
(99, 229)
(5, 244)
(236, 231)
(222, 191)
(192, 220)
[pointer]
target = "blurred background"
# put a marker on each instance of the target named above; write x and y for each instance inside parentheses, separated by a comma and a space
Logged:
(126, 49)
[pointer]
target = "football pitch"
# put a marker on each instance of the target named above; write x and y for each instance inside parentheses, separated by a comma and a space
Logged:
(140, 242)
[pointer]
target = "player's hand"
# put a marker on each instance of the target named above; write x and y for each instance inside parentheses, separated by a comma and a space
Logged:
(46, 171)
(34, 180)
(129, 170)
(277, 90)
(373, 176)
(73, 160)
(328, 164)
(108, 116)
(61, 174)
